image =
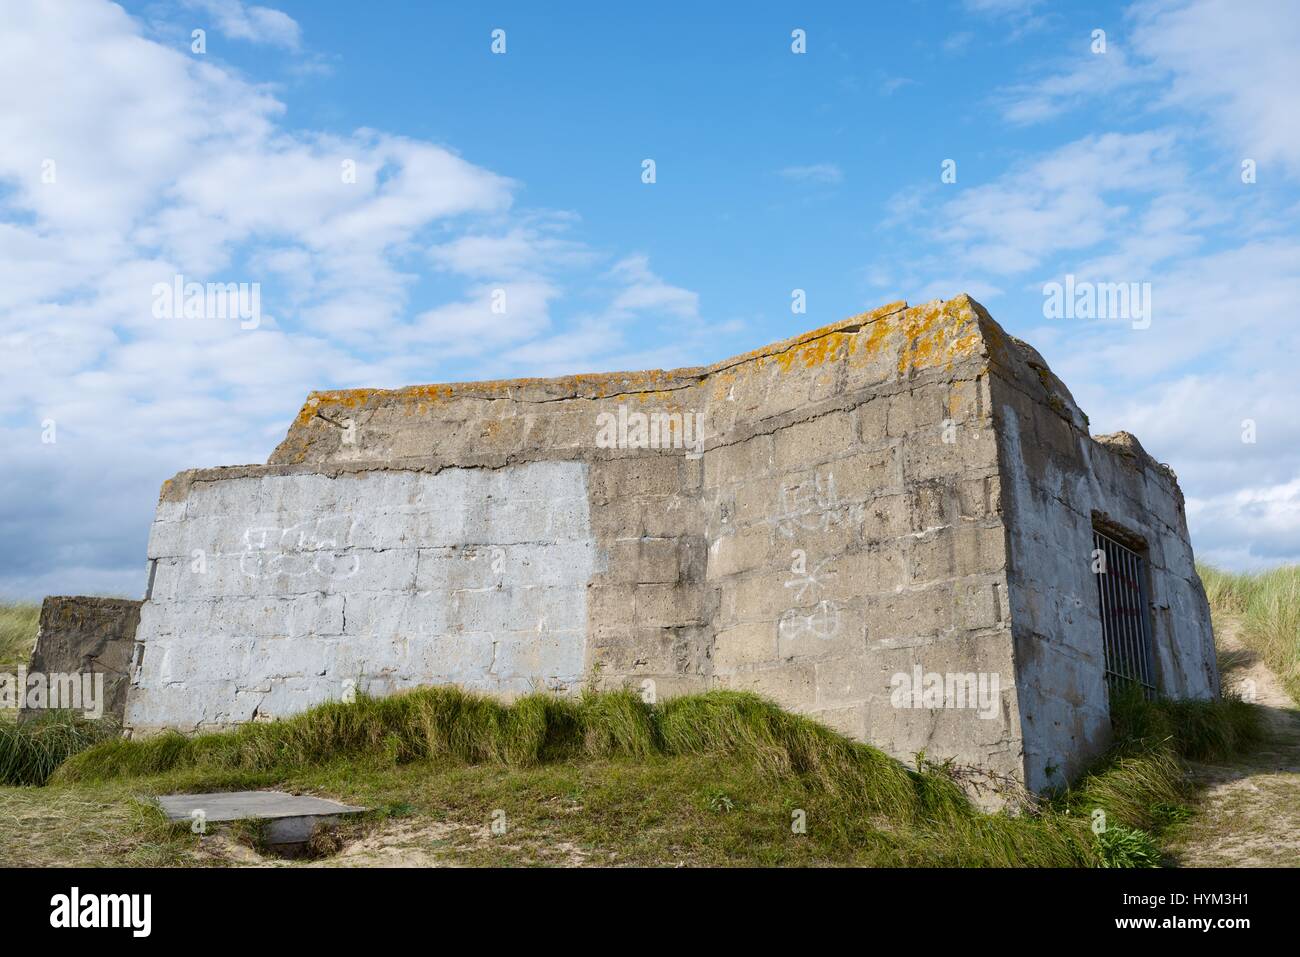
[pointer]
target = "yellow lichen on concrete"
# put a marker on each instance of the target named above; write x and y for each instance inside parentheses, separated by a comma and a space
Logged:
(814, 353)
(926, 336)
(937, 334)
(777, 350)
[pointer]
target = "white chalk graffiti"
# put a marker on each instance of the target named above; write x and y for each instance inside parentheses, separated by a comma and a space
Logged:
(808, 506)
(821, 621)
(806, 581)
(298, 550)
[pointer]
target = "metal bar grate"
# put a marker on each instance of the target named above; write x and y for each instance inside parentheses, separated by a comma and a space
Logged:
(1125, 622)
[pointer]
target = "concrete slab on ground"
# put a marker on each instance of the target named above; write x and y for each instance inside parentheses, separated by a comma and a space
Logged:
(250, 805)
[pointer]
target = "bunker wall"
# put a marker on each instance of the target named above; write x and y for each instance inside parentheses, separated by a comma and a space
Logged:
(1058, 484)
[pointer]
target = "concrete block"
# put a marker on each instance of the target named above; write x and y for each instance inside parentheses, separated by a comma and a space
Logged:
(806, 444)
(748, 644)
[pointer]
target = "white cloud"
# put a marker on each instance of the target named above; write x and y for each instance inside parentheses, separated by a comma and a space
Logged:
(239, 21)
(1238, 62)
(1070, 199)
(1233, 62)
(1224, 274)
(1021, 14)
(526, 249)
(956, 42)
(646, 292)
(492, 316)
(828, 174)
(1270, 514)
(1086, 76)
(892, 84)
(1001, 7)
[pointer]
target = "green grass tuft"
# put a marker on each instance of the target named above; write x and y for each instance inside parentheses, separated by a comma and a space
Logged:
(1200, 730)
(31, 750)
(1120, 846)
(1141, 785)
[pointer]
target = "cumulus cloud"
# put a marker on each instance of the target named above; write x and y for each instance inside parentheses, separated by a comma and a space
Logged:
(1271, 512)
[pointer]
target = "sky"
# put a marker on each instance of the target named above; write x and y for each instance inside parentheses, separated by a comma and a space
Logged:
(380, 171)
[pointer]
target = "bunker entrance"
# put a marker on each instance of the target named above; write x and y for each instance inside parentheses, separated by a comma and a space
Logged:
(1125, 620)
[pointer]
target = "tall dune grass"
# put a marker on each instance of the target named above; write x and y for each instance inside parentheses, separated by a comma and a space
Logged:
(446, 722)
(31, 750)
(17, 634)
(1268, 605)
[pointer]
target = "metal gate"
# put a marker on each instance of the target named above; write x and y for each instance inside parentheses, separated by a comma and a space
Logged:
(1125, 619)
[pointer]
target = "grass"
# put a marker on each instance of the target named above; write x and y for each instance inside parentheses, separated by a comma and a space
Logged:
(712, 779)
(30, 751)
(17, 634)
(449, 724)
(1268, 607)
(1141, 782)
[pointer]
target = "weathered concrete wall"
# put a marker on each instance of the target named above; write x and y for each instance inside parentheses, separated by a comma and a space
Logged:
(838, 515)
(857, 544)
(87, 636)
(1058, 482)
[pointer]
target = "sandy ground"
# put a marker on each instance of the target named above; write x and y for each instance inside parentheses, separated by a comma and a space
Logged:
(399, 844)
(1249, 814)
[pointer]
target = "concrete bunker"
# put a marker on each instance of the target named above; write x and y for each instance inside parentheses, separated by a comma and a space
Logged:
(866, 517)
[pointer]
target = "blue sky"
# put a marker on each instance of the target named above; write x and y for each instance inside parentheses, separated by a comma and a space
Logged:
(775, 171)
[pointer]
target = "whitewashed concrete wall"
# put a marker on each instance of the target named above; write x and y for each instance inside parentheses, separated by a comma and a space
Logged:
(272, 593)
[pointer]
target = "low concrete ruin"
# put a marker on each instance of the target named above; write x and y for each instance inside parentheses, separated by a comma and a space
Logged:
(81, 638)
(887, 523)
